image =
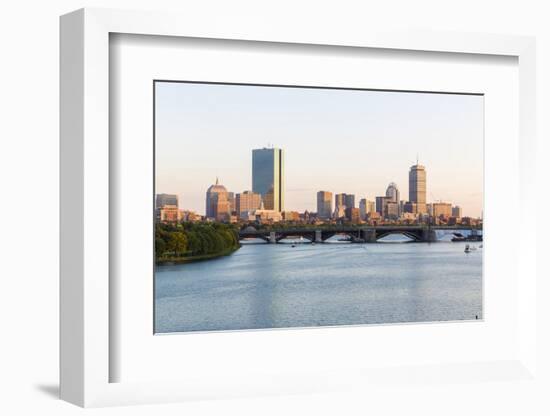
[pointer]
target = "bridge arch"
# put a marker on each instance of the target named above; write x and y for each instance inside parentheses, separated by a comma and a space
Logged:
(414, 237)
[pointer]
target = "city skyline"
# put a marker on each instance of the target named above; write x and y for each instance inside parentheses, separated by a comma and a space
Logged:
(222, 203)
(319, 164)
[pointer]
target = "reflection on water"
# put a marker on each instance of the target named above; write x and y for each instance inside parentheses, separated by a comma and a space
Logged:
(277, 285)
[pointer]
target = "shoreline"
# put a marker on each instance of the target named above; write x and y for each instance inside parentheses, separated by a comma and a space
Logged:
(193, 259)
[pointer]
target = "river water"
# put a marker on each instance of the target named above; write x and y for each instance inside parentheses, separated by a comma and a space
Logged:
(277, 286)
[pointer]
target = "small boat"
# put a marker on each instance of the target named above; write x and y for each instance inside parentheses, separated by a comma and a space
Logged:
(293, 245)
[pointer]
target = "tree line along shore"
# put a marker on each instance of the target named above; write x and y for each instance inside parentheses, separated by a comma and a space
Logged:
(188, 242)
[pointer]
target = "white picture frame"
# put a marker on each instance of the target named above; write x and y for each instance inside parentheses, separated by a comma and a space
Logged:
(86, 355)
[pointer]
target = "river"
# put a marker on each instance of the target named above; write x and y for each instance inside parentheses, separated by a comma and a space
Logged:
(277, 286)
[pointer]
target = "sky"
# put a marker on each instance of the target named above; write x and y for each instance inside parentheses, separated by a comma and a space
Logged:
(343, 141)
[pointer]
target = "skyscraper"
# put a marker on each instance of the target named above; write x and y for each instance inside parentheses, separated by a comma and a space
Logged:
(268, 177)
(344, 201)
(217, 202)
(339, 201)
(417, 187)
(324, 204)
(349, 200)
(381, 204)
(366, 207)
(392, 192)
(457, 211)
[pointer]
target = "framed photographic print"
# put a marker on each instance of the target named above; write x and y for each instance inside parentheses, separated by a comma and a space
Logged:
(264, 213)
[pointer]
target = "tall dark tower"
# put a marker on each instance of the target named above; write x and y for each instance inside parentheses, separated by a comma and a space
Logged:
(417, 187)
(268, 177)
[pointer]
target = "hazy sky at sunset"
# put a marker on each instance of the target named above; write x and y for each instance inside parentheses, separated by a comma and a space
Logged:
(334, 140)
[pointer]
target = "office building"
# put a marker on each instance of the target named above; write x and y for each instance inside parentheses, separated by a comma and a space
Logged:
(166, 199)
(391, 210)
(168, 214)
(247, 201)
(441, 209)
(366, 207)
(166, 208)
(268, 177)
(339, 202)
(410, 207)
(381, 202)
(217, 202)
(349, 201)
(324, 204)
(353, 214)
(392, 192)
(457, 211)
(231, 199)
(417, 187)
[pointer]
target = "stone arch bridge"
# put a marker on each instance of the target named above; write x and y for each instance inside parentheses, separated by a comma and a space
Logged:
(366, 234)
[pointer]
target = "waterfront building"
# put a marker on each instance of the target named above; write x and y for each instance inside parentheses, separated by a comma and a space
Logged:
(408, 216)
(324, 204)
(441, 209)
(293, 216)
(373, 218)
(457, 212)
(217, 202)
(417, 187)
(166, 208)
(268, 216)
(268, 177)
(353, 214)
(247, 201)
(168, 214)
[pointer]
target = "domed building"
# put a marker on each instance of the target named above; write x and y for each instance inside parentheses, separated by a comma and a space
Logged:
(218, 205)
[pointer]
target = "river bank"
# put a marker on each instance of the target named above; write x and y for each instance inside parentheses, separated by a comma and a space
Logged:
(193, 259)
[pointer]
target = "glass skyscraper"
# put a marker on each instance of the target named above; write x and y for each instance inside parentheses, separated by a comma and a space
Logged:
(268, 177)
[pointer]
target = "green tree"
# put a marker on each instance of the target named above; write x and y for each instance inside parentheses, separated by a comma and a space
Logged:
(160, 247)
(177, 243)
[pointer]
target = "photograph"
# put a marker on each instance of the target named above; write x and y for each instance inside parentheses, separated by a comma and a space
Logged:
(283, 206)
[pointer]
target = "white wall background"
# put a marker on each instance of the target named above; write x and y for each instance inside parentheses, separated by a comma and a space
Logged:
(29, 205)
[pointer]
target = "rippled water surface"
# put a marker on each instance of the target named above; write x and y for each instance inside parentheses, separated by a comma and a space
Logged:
(277, 285)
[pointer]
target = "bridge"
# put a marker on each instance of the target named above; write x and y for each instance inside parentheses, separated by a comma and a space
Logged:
(355, 234)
